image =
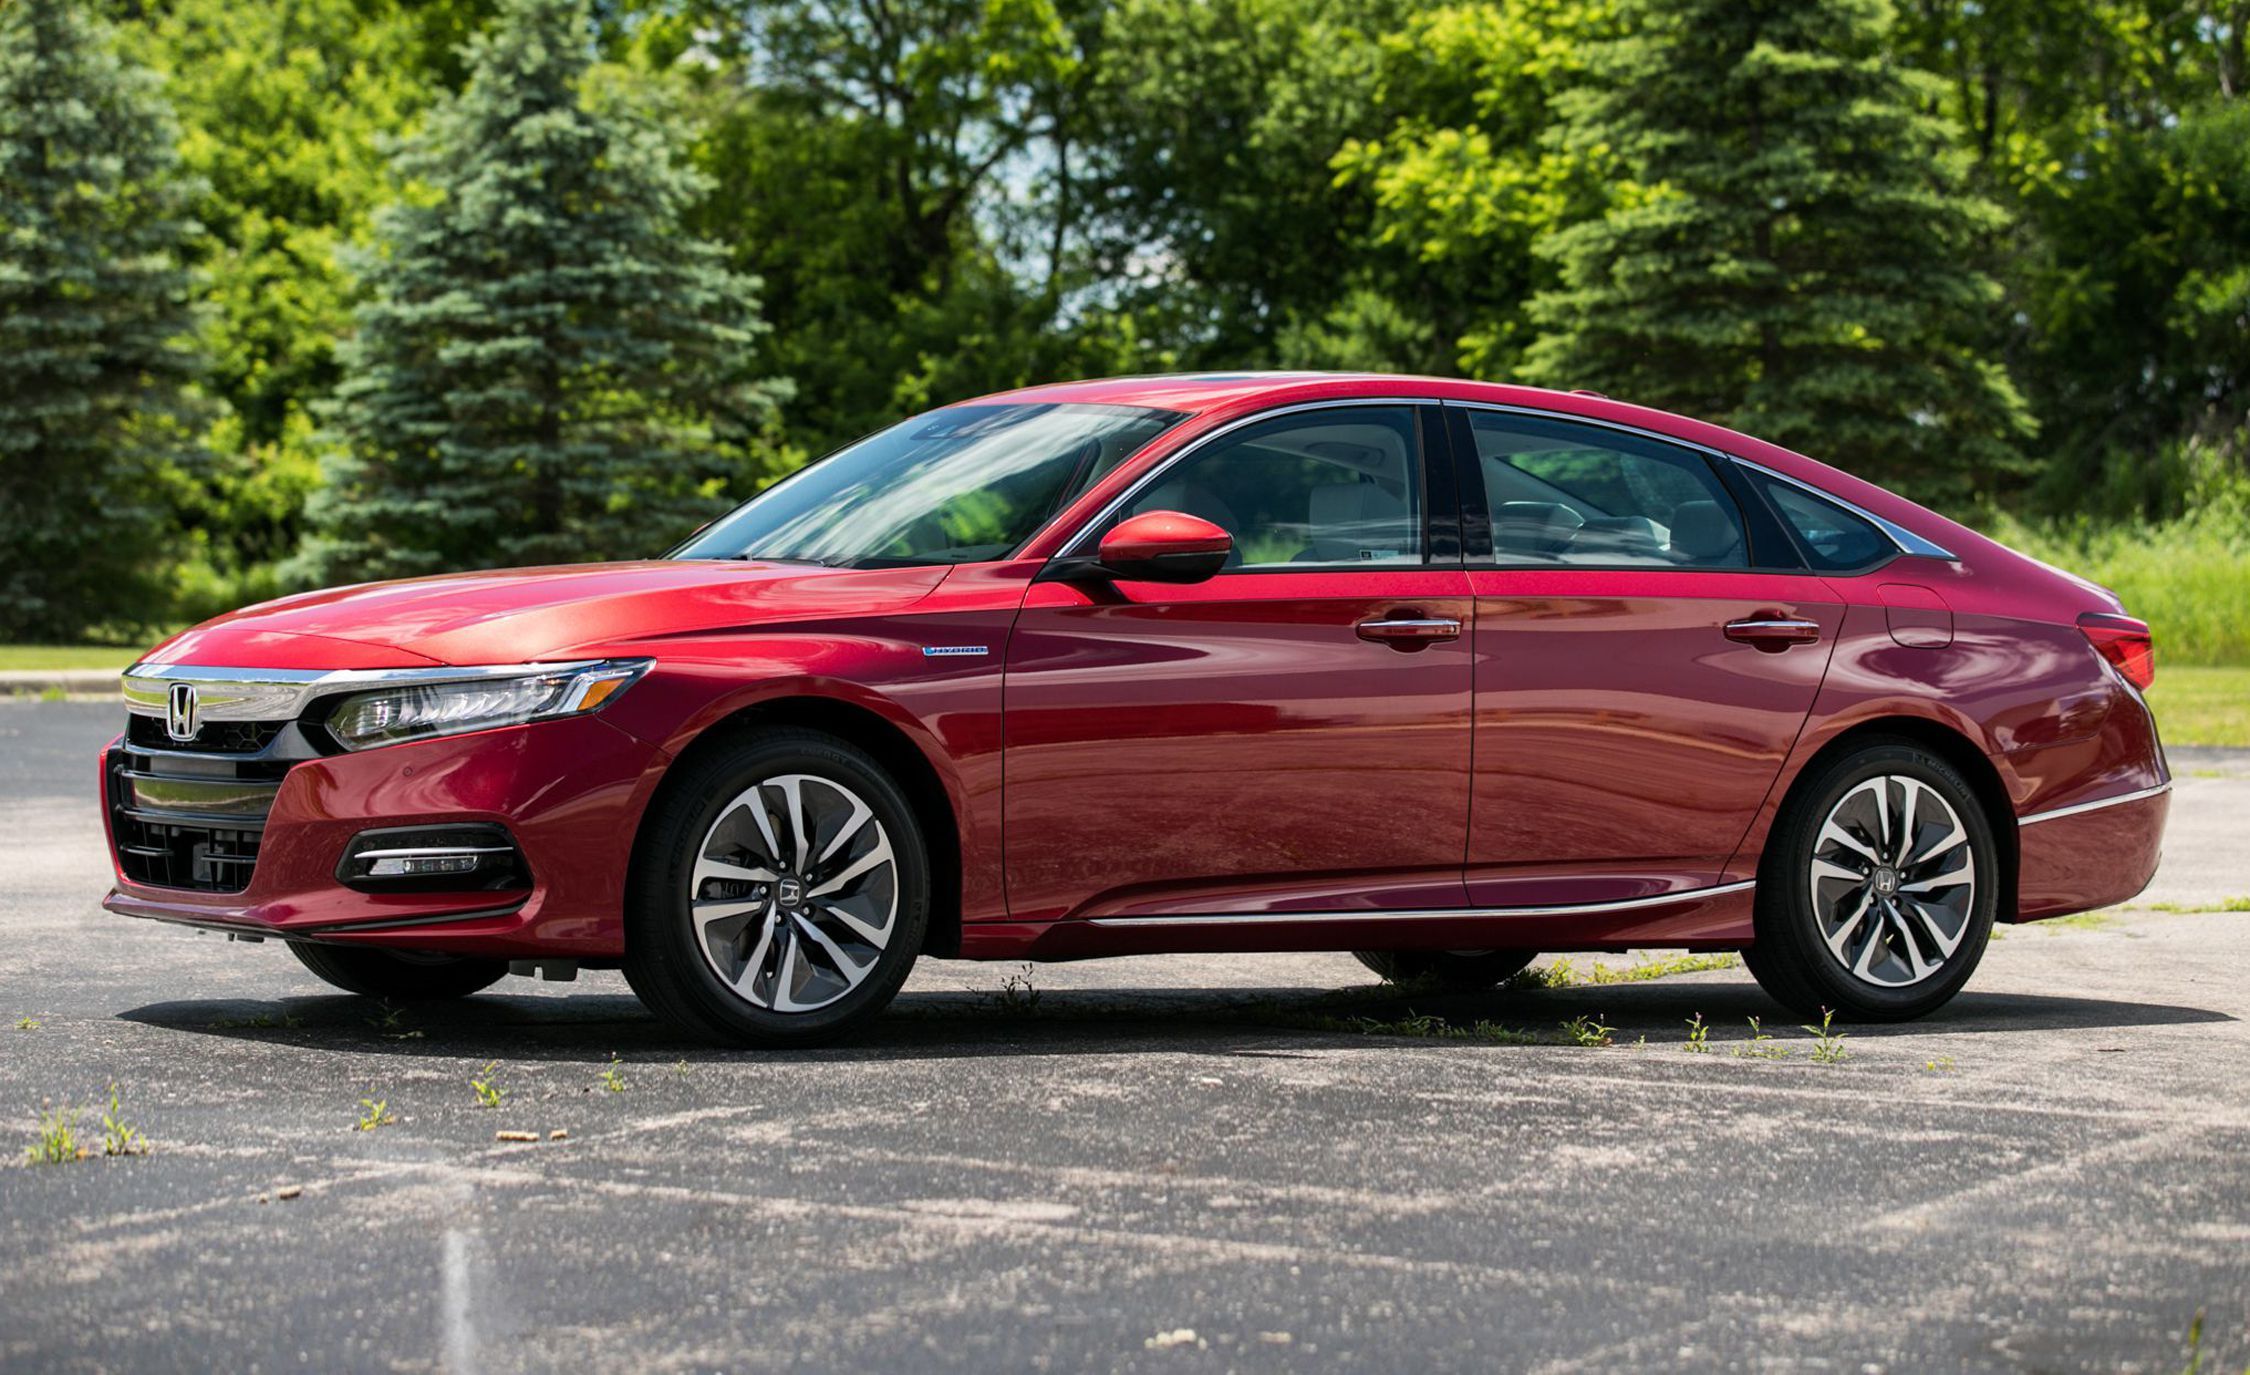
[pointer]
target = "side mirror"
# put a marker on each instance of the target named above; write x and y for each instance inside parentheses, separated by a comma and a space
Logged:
(1164, 546)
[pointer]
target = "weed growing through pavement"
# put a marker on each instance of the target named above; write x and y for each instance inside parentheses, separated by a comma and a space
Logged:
(57, 1141)
(1561, 973)
(1586, 1031)
(2224, 905)
(1941, 1065)
(1016, 998)
(118, 1136)
(27, 1023)
(680, 1069)
(489, 1093)
(1761, 1045)
(374, 1112)
(1698, 1036)
(1828, 1047)
(613, 1078)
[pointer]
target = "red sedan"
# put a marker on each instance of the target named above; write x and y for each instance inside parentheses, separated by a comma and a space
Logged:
(1438, 672)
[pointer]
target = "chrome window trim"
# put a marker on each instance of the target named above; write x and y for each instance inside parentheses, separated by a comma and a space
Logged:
(1072, 548)
(2081, 808)
(1426, 914)
(274, 694)
(1907, 541)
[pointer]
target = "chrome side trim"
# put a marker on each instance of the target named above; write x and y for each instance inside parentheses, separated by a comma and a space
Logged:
(275, 694)
(1426, 914)
(1907, 541)
(2096, 805)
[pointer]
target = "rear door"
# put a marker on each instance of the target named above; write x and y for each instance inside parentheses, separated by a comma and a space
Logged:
(1291, 735)
(1647, 649)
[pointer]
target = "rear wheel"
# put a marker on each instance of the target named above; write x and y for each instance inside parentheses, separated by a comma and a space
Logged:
(398, 975)
(781, 894)
(1877, 890)
(1460, 971)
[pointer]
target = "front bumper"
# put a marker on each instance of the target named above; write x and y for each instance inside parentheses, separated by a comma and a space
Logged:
(570, 792)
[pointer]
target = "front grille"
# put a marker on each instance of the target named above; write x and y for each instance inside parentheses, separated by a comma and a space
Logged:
(187, 815)
(212, 737)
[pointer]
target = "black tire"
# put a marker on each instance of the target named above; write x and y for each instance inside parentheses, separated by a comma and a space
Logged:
(1792, 958)
(396, 975)
(1456, 971)
(676, 978)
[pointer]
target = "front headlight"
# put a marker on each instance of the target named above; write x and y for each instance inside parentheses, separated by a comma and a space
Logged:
(388, 716)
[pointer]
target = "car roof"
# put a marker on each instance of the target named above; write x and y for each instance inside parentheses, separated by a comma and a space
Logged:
(1214, 398)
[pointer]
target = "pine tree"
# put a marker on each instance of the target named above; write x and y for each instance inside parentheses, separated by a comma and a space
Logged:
(1793, 252)
(549, 370)
(93, 317)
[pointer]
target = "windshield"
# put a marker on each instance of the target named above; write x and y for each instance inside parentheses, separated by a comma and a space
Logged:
(960, 485)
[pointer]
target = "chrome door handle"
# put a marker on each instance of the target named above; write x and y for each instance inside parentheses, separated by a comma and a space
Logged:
(1414, 629)
(1773, 633)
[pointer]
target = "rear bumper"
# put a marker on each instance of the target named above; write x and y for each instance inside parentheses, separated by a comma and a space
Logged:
(2089, 855)
(569, 792)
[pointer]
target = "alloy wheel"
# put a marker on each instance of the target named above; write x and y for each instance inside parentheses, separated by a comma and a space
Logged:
(1893, 881)
(794, 893)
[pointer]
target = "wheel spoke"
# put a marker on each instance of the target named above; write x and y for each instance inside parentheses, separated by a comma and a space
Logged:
(1965, 874)
(865, 930)
(1945, 944)
(1882, 817)
(1828, 869)
(1833, 834)
(793, 797)
(746, 982)
(1839, 940)
(875, 858)
(1954, 837)
(853, 824)
(1912, 791)
(709, 868)
(852, 971)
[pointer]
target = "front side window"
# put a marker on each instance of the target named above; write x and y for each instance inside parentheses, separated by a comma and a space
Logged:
(1579, 496)
(966, 484)
(1340, 485)
(1835, 540)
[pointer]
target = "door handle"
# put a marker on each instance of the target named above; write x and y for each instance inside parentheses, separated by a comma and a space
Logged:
(1773, 634)
(1411, 630)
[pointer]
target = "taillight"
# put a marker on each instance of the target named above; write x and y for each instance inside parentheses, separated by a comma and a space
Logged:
(2125, 642)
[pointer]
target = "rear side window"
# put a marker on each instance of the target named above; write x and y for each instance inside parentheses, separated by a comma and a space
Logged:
(1835, 540)
(1580, 496)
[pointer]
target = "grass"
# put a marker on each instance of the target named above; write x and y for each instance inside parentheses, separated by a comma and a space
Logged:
(2188, 578)
(2198, 704)
(57, 1141)
(48, 657)
(2223, 905)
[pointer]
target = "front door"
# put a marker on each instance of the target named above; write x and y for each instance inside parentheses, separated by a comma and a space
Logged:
(1291, 735)
(1642, 668)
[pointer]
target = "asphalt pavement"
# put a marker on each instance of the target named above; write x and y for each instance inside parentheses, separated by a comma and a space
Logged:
(1179, 1163)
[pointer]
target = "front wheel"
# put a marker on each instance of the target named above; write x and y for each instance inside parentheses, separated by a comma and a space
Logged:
(398, 975)
(1456, 971)
(1877, 891)
(780, 894)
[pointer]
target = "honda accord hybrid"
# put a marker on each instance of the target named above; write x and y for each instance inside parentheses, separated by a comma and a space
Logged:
(1441, 673)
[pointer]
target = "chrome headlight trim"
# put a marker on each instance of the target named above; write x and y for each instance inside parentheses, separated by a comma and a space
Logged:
(277, 694)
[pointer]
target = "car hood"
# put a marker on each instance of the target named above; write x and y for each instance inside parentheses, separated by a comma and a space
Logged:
(520, 615)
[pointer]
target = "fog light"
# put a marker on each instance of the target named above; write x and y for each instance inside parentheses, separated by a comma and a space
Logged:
(380, 865)
(443, 858)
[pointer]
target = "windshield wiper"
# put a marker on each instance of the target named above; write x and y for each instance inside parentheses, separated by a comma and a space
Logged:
(783, 558)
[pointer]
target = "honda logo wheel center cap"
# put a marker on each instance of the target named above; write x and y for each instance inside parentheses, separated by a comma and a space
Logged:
(789, 892)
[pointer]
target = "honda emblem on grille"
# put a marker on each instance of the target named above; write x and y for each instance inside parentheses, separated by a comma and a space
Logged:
(179, 718)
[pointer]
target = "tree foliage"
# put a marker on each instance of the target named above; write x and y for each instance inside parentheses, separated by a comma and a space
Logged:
(549, 369)
(94, 303)
(1793, 250)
